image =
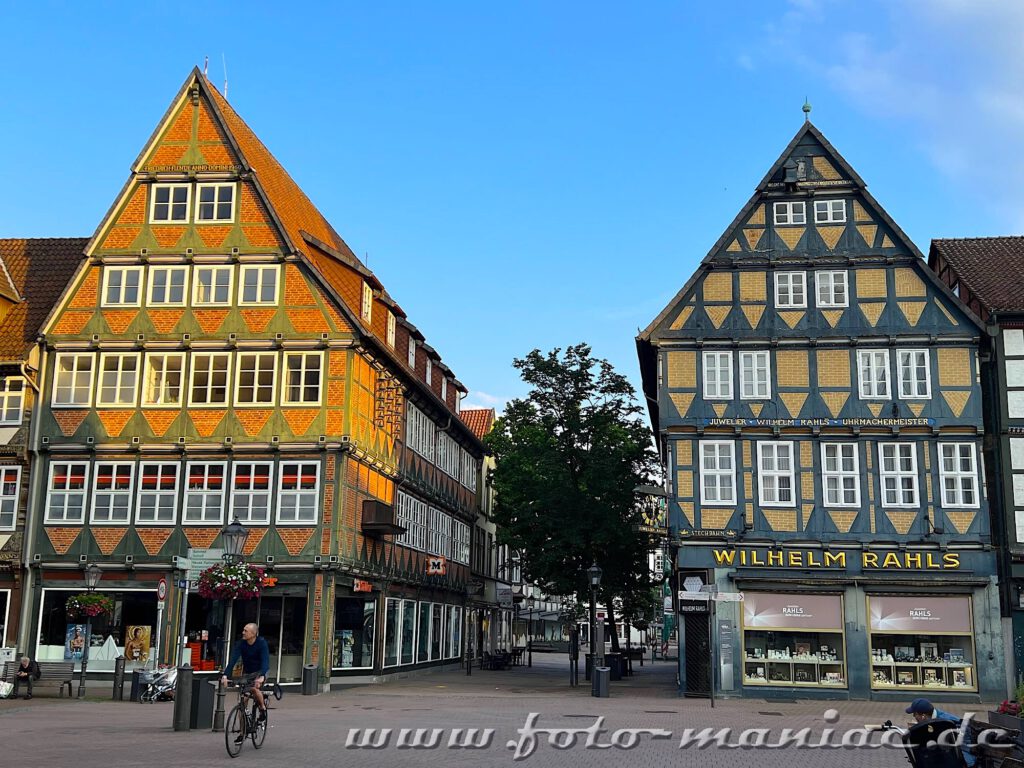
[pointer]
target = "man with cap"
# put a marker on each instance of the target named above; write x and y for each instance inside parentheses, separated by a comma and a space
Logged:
(922, 710)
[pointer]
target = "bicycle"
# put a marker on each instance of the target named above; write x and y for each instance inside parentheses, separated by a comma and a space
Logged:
(244, 721)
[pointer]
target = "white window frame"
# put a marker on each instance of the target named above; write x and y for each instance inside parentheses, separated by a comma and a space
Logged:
(787, 284)
(205, 493)
(295, 496)
(303, 371)
(12, 401)
(159, 494)
(412, 353)
(67, 493)
(870, 386)
(127, 494)
(839, 474)
(125, 380)
(366, 307)
(167, 270)
(261, 270)
(121, 300)
(460, 542)
(712, 450)
(76, 371)
(955, 481)
(214, 270)
(9, 500)
(257, 388)
(723, 384)
(439, 537)
(790, 213)
(912, 381)
(448, 458)
(216, 187)
(193, 369)
(420, 432)
(765, 475)
(428, 372)
(825, 288)
(753, 357)
(411, 513)
(830, 211)
(246, 515)
(163, 388)
(897, 475)
(170, 204)
(444, 388)
(391, 329)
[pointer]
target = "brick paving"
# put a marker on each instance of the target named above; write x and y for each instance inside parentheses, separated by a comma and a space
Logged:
(312, 730)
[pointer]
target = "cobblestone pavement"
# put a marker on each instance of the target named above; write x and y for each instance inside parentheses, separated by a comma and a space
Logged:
(313, 730)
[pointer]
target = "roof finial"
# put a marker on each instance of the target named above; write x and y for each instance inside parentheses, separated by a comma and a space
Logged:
(807, 110)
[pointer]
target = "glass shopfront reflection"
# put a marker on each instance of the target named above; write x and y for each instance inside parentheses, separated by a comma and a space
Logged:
(353, 632)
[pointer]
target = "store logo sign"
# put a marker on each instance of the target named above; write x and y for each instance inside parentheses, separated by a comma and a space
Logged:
(824, 558)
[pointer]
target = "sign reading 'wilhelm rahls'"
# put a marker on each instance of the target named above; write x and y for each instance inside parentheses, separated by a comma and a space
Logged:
(825, 558)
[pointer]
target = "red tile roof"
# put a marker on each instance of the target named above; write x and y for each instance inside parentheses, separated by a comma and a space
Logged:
(39, 270)
(479, 420)
(992, 268)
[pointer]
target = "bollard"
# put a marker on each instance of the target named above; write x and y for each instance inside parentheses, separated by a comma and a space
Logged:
(136, 685)
(118, 694)
(183, 699)
(310, 673)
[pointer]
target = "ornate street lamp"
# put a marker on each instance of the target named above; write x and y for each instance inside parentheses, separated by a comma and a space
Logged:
(93, 574)
(233, 537)
(594, 573)
(530, 605)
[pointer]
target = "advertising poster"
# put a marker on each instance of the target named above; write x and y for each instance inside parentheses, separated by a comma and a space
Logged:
(136, 644)
(74, 642)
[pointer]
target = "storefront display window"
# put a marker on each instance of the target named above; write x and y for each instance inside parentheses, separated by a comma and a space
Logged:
(392, 615)
(423, 654)
(436, 630)
(353, 632)
(5, 610)
(408, 631)
(922, 642)
(793, 640)
(281, 618)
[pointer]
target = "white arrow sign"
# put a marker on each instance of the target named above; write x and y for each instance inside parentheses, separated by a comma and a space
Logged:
(704, 596)
(729, 597)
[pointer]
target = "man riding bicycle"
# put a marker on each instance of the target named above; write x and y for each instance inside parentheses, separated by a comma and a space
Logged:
(255, 655)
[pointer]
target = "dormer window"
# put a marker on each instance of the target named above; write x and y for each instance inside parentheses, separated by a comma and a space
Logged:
(412, 353)
(216, 202)
(790, 213)
(169, 203)
(829, 211)
(366, 311)
(391, 329)
(430, 373)
(444, 388)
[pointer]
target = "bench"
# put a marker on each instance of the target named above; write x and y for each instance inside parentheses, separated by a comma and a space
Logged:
(499, 661)
(60, 672)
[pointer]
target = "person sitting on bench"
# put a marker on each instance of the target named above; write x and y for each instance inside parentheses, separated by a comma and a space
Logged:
(28, 671)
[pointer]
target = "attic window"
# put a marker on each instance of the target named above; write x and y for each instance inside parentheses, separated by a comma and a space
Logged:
(391, 329)
(791, 213)
(829, 211)
(366, 311)
(412, 353)
(216, 202)
(170, 202)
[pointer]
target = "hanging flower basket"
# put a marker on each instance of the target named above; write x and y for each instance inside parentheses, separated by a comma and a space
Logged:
(231, 581)
(89, 605)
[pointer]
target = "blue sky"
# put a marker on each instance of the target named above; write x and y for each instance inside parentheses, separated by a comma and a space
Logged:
(531, 174)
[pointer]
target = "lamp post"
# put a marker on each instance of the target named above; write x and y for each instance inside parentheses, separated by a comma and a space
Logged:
(93, 574)
(233, 537)
(530, 603)
(594, 574)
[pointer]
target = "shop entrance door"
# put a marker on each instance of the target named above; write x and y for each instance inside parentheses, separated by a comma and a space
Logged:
(282, 622)
(696, 628)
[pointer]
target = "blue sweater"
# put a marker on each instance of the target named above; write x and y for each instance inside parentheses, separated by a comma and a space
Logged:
(255, 657)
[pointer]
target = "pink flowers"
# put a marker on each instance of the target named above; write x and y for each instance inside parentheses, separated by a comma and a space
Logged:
(239, 581)
(91, 604)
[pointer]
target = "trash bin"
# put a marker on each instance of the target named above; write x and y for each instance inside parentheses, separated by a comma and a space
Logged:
(136, 689)
(614, 662)
(204, 691)
(599, 685)
(310, 673)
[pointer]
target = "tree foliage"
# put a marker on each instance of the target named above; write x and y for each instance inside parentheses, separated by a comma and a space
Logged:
(568, 457)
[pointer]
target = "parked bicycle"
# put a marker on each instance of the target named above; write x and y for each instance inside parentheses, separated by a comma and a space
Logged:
(244, 720)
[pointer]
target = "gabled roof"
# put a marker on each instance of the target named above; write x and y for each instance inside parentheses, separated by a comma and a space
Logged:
(992, 268)
(38, 270)
(479, 420)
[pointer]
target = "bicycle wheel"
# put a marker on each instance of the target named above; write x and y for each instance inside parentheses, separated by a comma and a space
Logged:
(259, 732)
(234, 730)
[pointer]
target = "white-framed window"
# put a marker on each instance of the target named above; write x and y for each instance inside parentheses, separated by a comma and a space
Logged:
(158, 493)
(167, 286)
(204, 492)
(439, 541)
(444, 388)
(915, 376)
(10, 490)
(162, 378)
(755, 375)
(448, 459)
(211, 286)
(959, 475)
(829, 211)
(469, 470)
(251, 491)
(873, 365)
(420, 432)
(391, 329)
(790, 213)
(840, 475)
(169, 203)
(256, 378)
(258, 284)
(460, 542)
(366, 309)
(211, 374)
(119, 380)
(833, 289)
(897, 463)
(790, 290)
(112, 492)
(67, 491)
(121, 286)
(72, 386)
(717, 472)
(428, 374)
(298, 492)
(303, 375)
(775, 473)
(411, 514)
(215, 202)
(12, 400)
(718, 375)
(412, 353)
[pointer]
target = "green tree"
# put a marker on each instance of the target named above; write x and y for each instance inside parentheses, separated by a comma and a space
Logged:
(568, 458)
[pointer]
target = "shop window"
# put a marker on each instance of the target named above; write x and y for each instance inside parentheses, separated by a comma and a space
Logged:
(454, 635)
(72, 386)
(354, 620)
(211, 286)
(250, 492)
(210, 375)
(923, 643)
(12, 400)
(170, 203)
(408, 631)
(790, 290)
(10, 488)
(392, 631)
(158, 493)
(423, 624)
(436, 629)
(303, 372)
(5, 611)
(258, 285)
(112, 492)
(119, 378)
(167, 286)
(915, 379)
(793, 640)
(299, 492)
(65, 501)
(775, 474)
(162, 379)
(718, 375)
(256, 376)
(204, 492)
(898, 465)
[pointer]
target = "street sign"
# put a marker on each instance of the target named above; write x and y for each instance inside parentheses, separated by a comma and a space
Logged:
(695, 607)
(182, 583)
(199, 560)
(183, 564)
(161, 590)
(729, 597)
(705, 596)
